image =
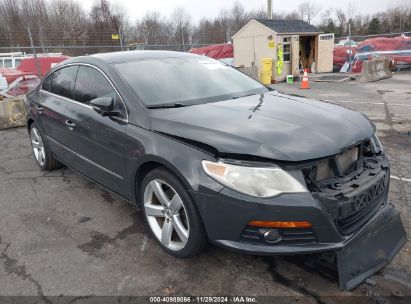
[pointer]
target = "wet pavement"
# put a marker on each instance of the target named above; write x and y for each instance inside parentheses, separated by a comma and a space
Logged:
(61, 234)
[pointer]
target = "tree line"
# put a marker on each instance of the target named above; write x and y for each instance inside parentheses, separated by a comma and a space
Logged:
(67, 25)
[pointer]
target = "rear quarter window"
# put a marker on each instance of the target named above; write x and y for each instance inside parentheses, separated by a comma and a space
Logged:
(62, 81)
(46, 85)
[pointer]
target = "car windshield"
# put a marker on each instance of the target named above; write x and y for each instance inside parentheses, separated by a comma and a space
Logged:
(185, 81)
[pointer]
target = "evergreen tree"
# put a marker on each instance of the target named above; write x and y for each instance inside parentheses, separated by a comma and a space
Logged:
(374, 26)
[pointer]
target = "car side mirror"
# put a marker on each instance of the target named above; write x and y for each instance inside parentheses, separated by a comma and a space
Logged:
(104, 106)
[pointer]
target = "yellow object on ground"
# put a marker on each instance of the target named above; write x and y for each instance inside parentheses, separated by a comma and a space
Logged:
(266, 70)
(266, 64)
(266, 79)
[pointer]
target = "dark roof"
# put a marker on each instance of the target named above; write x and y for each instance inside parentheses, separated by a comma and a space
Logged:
(289, 26)
(125, 56)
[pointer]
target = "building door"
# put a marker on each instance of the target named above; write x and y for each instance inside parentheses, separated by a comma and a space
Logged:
(244, 52)
(325, 48)
(295, 54)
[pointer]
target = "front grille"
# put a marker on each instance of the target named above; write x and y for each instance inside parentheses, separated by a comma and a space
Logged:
(355, 191)
(294, 236)
(354, 213)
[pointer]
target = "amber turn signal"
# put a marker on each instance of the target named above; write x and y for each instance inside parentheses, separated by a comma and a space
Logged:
(269, 224)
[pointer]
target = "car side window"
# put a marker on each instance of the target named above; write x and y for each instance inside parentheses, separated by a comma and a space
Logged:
(46, 85)
(62, 81)
(91, 84)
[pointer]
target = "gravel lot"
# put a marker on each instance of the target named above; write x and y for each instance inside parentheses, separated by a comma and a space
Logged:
(61, 234)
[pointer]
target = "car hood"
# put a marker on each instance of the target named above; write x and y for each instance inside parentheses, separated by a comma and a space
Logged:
(271, 125)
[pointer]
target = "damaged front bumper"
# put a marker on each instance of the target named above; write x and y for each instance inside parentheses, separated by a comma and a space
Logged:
(371, 248)
(352, 220)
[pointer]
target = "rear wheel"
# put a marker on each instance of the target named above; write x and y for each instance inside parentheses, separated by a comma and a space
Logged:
(171, 214)
(43, 157)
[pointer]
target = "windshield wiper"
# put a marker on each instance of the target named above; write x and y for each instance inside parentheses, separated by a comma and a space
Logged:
(167, 106)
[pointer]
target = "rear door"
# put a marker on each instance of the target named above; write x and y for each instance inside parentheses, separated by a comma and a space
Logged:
(325, 48)
(53, 107)
(98, 142)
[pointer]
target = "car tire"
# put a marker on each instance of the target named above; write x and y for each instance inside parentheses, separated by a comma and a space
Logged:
(42, 154)
(188, 237)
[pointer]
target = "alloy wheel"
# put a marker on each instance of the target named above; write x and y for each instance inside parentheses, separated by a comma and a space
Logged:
(166, 215)
(38, 146)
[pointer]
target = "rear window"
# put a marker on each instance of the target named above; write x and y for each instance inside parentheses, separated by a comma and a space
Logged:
(62, 81)
(186, 80)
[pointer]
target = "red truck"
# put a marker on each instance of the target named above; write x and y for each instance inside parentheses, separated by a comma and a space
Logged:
(28, 64)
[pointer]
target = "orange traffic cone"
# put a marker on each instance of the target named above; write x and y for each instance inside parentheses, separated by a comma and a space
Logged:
(304, 83)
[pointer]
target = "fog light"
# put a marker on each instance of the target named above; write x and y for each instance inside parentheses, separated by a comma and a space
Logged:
(271, 235)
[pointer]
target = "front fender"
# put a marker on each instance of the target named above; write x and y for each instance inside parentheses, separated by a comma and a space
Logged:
(144, 146)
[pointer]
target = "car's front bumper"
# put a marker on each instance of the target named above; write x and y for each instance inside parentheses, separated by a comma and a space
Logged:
(226, 214)
(359, 254)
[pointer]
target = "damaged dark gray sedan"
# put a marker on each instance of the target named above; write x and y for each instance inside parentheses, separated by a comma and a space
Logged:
(211, 154)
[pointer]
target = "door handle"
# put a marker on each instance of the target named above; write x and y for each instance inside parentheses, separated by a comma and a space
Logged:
(39, 109)
(70, 124)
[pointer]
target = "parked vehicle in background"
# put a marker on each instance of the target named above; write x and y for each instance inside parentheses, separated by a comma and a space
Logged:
(398, 49)
(347, 42)
(222, 52)
(28, 64)
(215, 155)
(217, 51)
(341, 54)
(15, 82)
(11, 60)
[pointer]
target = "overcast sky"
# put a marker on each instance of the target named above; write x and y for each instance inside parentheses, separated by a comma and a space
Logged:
(210, 8)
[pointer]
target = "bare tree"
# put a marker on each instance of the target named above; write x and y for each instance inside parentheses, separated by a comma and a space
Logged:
(237, 18)
(308, 10)
(67, 23)
(181, 22)
(342, 21)
(153, 29)
(120, 21)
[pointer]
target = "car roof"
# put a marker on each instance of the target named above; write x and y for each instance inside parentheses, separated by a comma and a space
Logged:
(116, 57)
(104, 60)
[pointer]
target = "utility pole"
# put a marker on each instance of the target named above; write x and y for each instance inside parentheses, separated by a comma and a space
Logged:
(349, 42)
(269, 9)
(182, 38)
(121, 40)
(34, 54)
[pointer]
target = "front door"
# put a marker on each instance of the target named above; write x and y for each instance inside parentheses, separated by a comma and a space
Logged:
(98, 141)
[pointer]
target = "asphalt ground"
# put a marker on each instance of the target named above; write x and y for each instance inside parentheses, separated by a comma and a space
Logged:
(63, 235)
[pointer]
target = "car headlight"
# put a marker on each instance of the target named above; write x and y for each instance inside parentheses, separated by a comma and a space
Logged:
(254, 181)
(376, 144)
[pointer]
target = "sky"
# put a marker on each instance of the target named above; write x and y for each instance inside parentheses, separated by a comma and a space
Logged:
(210, 8)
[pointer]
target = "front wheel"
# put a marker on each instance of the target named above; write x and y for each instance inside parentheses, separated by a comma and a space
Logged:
(171, 214)
(43, 157)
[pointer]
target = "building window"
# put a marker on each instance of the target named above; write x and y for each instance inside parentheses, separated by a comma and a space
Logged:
(327, 37)
(287, 49)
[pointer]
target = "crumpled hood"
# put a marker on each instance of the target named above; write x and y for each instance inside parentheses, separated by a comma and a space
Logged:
(271, 125)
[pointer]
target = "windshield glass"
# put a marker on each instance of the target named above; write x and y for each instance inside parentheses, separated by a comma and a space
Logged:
(186, 81)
